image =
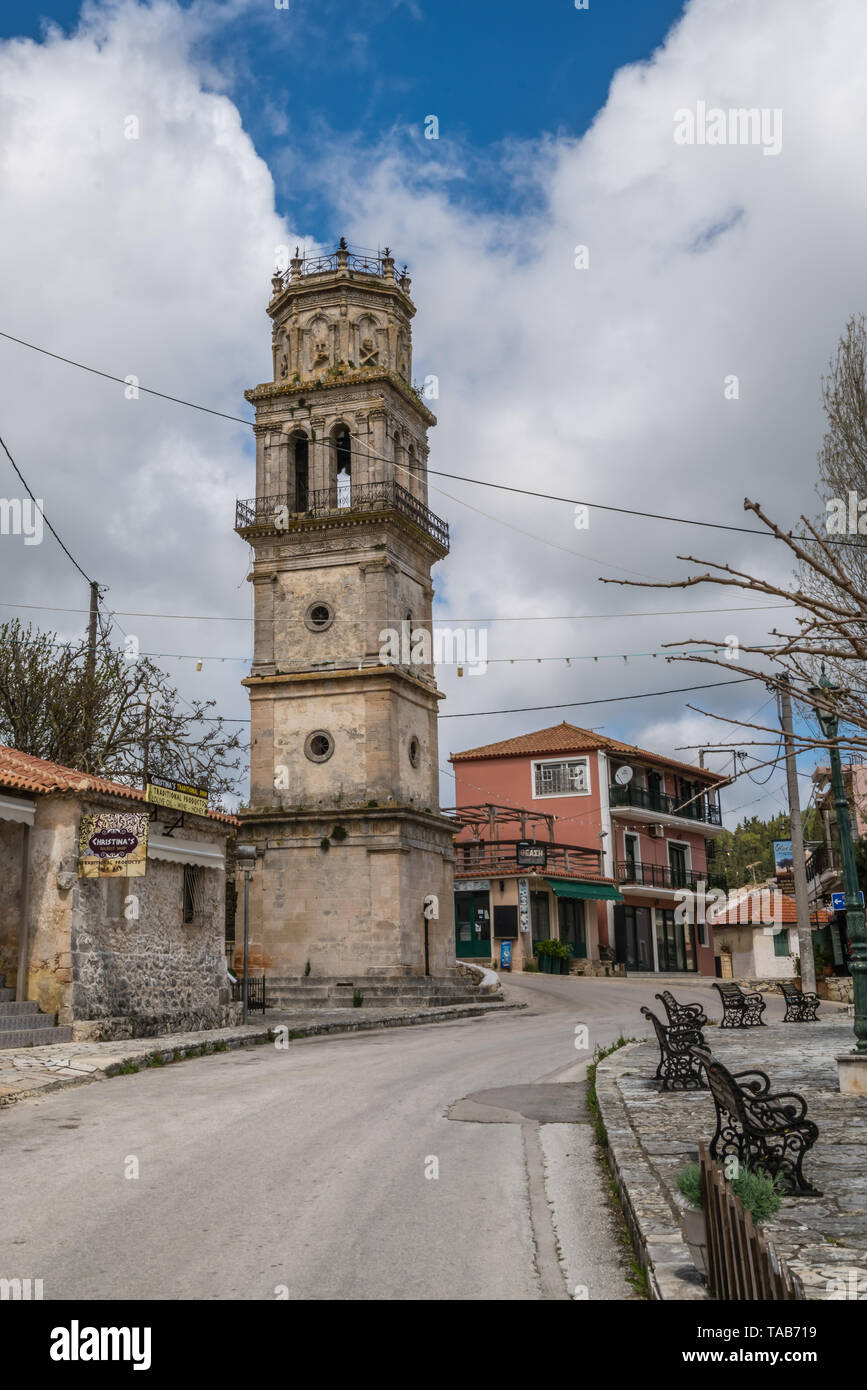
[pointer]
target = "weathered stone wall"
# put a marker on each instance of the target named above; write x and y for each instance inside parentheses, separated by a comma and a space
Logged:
(165, 974)
(356, 908)
(12, 835)
(113, 957)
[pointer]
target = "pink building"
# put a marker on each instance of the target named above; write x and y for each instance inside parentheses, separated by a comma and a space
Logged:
(624, 832)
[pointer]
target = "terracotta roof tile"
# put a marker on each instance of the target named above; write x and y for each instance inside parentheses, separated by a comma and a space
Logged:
(568, 738)
(25, 773)
(783, 909)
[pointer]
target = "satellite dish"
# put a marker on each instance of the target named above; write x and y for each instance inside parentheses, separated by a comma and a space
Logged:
(623, 775)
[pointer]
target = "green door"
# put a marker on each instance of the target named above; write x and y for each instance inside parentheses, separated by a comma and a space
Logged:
(472, 925)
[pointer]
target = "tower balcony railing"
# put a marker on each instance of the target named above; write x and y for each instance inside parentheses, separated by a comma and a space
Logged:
(346, 258)
(276, 513)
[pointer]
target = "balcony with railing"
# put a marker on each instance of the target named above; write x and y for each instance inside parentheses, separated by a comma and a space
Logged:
(701, 809)
(825, 859)
(346, 260)
(634, 873)
(271, 515)
(487, 859)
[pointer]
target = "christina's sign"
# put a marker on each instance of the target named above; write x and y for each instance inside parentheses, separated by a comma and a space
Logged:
(532, 856)
(180, 796)
(113, 844)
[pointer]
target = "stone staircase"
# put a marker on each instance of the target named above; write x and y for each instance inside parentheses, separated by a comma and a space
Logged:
(415, 992)
(22, 1025)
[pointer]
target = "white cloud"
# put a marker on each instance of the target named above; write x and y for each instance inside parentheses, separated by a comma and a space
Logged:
(153, 256)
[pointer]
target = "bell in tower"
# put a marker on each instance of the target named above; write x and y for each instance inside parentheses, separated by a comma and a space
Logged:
(344, 804)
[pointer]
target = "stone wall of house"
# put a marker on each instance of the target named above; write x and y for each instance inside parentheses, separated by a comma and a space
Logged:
(12, 835)
(113, 957)
(150, 973)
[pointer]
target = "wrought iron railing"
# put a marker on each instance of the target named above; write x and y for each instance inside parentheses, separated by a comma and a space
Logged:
(666, 805)
(275, 513)
(824, 859)
(257, 1001)
(355, 258)
(663, 876)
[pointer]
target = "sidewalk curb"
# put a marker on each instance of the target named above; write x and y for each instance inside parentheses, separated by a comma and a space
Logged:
(655, 1230)
(170, 1048)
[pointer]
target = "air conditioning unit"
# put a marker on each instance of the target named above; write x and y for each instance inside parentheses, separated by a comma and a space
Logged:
(658, 832)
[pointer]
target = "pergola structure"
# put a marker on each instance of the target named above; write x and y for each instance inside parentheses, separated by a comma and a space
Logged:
(487, 816)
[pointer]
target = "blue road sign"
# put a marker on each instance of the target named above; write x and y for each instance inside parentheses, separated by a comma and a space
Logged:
(838, 901)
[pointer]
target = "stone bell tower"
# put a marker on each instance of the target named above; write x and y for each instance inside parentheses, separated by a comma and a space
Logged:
(344, 767)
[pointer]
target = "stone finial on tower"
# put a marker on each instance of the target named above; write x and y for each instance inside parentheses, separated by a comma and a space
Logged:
(342, 254)
(296, 265)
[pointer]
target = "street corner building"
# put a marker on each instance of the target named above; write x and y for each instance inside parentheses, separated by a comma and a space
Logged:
(344, 801)
(570, 836)
(112, 914)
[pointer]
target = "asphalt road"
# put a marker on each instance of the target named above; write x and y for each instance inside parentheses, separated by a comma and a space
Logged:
(333, 1169)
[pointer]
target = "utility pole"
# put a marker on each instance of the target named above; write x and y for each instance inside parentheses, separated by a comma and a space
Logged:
(799, 861)
(146, 743)
(91, 627)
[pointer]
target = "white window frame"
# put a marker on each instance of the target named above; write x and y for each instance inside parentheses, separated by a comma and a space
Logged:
(552, 762)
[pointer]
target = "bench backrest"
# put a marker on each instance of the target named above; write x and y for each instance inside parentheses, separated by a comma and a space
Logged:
(723, 1086)
(660, 1028)
(733, 993)
(790, 991)
(668, 998)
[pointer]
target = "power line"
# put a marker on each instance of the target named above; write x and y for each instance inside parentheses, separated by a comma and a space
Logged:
(123, 381)
(38, 504)
(419, 622)
(610, 700)
(439, 473)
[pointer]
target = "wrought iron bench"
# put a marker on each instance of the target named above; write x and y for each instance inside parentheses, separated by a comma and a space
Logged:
(678, 1070)
(740, 1010)
(767, 1133)
(800, 1007)
(682, 1015)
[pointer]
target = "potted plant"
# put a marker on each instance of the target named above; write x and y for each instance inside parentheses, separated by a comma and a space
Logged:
(758, 1193)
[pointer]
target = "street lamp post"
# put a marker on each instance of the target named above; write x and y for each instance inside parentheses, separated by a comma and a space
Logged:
(247, 854)
(855, 922)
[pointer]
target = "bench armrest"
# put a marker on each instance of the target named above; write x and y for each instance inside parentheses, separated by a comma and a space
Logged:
(782, 1101)
(758, 1087)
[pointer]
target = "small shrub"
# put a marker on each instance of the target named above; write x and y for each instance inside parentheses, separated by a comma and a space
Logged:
(307, 970)
(220, 1045)
(338, 834)
(325, 843)
(357, 999)
(757, 1191)
(127, 1069)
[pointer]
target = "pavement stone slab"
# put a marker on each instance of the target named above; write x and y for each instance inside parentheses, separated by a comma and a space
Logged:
(652, 1134)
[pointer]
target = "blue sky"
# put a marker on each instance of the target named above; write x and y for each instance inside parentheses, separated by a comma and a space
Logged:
(352, 71)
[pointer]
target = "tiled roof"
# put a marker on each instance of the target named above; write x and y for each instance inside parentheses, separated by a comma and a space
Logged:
(781, 906)
(568, 738)
(24, 773)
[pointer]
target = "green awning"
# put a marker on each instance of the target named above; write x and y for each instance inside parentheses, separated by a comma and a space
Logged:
(573, 888)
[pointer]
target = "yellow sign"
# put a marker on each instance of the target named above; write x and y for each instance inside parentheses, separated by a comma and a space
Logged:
(180, 796)
(113, 844)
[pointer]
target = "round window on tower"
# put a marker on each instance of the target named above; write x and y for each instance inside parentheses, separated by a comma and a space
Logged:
(319, 746)
(319, 616)
(414, 752)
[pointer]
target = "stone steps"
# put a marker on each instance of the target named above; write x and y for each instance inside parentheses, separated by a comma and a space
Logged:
(284, 992)
(22, 1024)
(34, 1037)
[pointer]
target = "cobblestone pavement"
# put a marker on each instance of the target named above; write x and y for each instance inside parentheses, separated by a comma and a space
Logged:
(31, 1070)
(653, 1134)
